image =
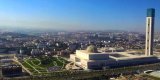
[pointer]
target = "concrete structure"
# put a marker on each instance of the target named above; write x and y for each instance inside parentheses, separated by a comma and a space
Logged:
(92, 59)
(111, 49)
(155, 74)
(11, 70)
(149, 31)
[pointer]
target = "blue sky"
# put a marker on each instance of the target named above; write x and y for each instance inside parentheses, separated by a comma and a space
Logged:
(77, 14)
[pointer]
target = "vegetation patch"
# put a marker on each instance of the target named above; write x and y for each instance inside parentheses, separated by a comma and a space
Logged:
(44, 64)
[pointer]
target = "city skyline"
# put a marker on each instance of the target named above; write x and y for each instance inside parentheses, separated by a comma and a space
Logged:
(77, 15)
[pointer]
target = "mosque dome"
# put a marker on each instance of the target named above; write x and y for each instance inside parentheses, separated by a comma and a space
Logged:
(92, 49)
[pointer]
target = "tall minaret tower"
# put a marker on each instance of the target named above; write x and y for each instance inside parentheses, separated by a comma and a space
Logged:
(149, 31)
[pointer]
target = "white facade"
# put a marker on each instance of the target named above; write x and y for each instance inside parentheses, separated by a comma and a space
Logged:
(88, 60)
(149, 36)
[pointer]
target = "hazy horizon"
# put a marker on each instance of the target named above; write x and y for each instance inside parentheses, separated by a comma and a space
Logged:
(70, 15)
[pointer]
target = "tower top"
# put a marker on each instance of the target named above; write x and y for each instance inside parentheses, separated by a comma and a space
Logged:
(150, 12)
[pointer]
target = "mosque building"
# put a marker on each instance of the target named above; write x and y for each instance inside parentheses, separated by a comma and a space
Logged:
(91, 58)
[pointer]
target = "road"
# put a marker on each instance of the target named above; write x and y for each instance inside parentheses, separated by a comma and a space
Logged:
(16, 60)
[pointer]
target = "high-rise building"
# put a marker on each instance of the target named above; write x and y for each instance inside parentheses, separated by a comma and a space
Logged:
(149, 31)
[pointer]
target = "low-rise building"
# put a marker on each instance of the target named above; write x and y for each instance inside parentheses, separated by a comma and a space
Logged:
(92, 59)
